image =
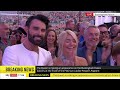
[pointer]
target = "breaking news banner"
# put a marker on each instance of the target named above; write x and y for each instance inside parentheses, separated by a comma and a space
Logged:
(10, 72)
(53, 72)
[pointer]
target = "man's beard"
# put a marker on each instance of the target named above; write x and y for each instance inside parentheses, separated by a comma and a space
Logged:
(35, 42)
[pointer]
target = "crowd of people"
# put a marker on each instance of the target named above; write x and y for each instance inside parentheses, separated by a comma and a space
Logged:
(78, 44)
(57, 19)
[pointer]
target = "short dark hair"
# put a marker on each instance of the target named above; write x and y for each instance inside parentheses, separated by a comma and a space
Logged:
(38, 17)
(103, 25)
(21, 30)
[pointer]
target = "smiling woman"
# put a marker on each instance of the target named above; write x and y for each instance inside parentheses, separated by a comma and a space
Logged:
(68, 43)
(51, 42)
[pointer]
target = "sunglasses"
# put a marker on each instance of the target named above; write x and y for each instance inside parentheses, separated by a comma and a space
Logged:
(104, 32)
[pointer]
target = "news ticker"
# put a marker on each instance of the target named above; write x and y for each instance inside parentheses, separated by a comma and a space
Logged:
(106, 14)
(53, 71)
(101, 14)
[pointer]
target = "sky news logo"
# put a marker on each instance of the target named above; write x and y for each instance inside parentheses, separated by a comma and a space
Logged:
(89, 13)
(13, 75)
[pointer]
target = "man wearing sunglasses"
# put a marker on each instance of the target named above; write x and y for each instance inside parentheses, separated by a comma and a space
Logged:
(105, 43)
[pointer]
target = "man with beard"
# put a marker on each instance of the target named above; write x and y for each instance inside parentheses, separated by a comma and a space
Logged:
(90, 51)
(105, 42)
(29, 52)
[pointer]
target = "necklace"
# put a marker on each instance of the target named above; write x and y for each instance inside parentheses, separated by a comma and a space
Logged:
(67, 62)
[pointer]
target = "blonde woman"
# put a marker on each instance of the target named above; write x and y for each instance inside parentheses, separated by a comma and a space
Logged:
(67, 51)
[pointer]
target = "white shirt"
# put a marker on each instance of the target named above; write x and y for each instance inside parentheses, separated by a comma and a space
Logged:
(112, 61)
(19, 55)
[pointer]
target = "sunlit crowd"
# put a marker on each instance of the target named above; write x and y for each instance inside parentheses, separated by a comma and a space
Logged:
(37, 41)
